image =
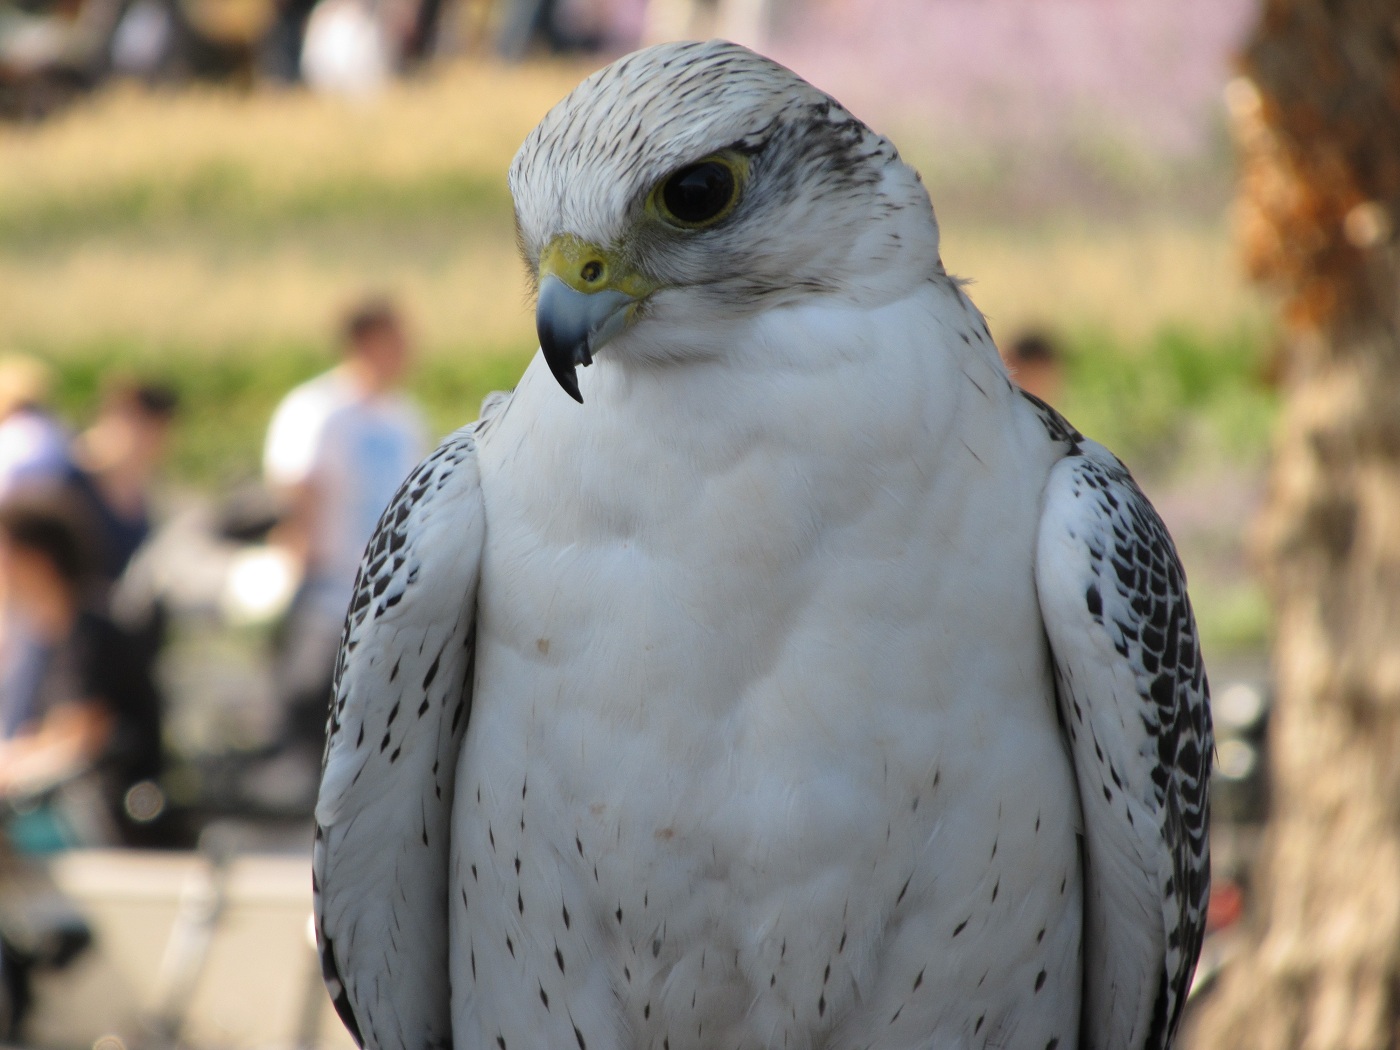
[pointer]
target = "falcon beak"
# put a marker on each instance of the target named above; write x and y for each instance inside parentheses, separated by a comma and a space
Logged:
(586, 298)
(573, 324)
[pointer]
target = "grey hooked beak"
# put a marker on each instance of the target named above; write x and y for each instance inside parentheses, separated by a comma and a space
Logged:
(572, 325)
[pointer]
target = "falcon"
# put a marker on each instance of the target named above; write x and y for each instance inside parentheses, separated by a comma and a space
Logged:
(783, 678)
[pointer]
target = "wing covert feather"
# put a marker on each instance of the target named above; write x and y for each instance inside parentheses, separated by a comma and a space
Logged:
(1134, 702)
(401, 703)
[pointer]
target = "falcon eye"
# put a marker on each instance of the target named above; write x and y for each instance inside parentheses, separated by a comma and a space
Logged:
(699, 194)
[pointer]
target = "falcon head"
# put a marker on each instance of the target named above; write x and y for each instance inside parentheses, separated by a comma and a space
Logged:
(691, 186)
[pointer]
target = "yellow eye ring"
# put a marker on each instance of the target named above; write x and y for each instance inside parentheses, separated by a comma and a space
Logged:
(700, 194)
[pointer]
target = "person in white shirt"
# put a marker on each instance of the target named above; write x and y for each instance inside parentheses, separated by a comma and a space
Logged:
(337, 449)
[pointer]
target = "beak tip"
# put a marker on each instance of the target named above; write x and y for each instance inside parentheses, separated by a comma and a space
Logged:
(566, 375)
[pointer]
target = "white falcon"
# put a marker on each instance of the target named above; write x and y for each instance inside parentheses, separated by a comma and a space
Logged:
(806, 686)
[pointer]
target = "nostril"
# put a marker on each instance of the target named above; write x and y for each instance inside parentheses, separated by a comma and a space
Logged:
(592, 271)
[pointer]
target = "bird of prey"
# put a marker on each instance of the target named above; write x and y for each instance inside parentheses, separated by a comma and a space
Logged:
(803, 685)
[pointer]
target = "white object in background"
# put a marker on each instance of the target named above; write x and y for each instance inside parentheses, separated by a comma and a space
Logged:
(1240, 706)
(259, 586)
(344, 51)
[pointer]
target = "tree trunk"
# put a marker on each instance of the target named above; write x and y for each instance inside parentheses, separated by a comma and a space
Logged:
(1317, 116)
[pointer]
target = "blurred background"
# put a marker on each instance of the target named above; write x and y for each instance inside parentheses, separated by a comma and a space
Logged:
(214, 211)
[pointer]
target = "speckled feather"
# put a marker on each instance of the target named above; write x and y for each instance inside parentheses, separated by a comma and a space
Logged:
(1135, 703)
(806, 650)
(400, 706)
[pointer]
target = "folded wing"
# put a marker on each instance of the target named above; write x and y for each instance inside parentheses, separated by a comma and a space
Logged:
(401, 702)
(1134, 703)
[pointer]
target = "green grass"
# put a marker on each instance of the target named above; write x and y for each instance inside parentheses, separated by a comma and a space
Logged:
(1176, 402)
(228, 397)
(1232, 619)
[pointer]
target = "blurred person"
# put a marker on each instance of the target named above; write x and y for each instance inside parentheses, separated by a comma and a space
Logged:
(337, 449)
(116, 461)
(1035, 362)
(523, 23)
(279, 51)
(34, 445)
(79, 717)
(115, 464)
(555, 25)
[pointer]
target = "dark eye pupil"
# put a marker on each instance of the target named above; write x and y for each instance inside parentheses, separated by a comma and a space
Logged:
(699, 192)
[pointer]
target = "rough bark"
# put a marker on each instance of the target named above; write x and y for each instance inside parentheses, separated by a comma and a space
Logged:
(1317, 117)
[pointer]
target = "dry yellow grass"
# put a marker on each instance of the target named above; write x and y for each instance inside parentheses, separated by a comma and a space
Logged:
(468, 117)
(1128, 281)
(186, 297)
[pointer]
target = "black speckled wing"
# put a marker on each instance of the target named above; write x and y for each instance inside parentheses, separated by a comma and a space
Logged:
(401, 702)
(1134, 702)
